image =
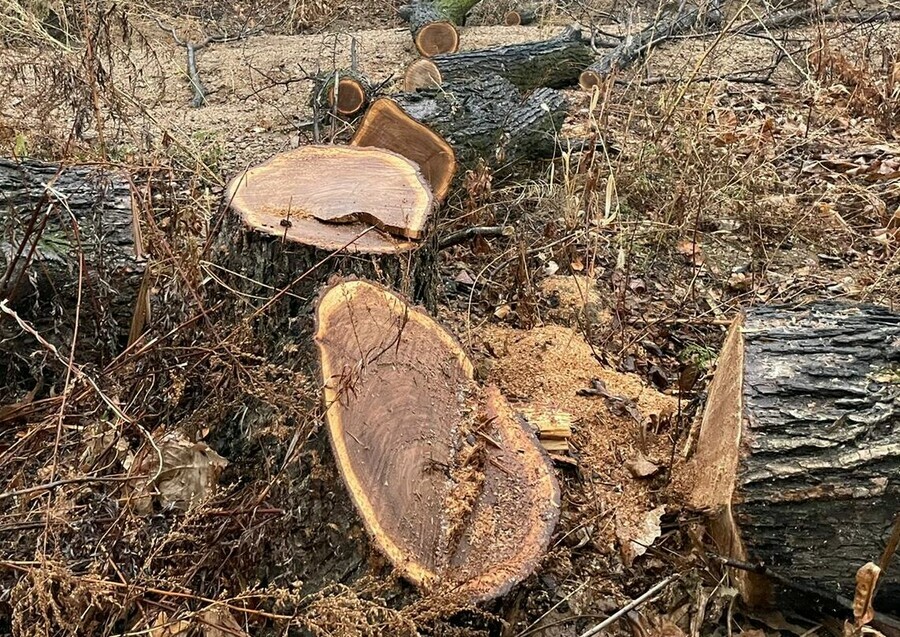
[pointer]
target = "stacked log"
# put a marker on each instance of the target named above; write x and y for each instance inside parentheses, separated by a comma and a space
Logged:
(433, 24)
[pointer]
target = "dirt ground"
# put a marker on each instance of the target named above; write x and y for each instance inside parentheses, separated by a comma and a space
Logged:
(739, 188)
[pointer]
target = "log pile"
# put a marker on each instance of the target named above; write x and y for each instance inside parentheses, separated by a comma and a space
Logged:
(799, 450)
(452, 488)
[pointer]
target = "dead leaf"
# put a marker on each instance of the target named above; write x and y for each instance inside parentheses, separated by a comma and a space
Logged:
(691, 251)
(219, 622)
(189, 474)
(866, 581)
(641, 467)
(635, 541)
(163, 627)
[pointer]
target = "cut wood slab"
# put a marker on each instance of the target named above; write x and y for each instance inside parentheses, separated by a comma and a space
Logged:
(433, 23)
(798, 458)
(388, 126)
(348, 99)
(327, 196)
(451, 487)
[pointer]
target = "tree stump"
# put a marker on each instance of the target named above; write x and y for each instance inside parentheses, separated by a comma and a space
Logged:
(799, 448)
(297, 219)
(51, 216)
(350, 97)
(452, 488)
(556, 63)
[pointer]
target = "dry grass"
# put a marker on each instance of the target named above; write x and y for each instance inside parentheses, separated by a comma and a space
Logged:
(721, 194)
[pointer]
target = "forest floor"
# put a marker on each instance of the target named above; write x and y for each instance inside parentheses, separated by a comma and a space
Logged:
(727, 186)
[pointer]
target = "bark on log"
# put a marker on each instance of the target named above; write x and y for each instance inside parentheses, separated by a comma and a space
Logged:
(352, 95)
(485, 118)
(634, 47)
(49, 216)
(799, 448)
(519, 17)
(451, 487)
(433, 24)
(556, 62)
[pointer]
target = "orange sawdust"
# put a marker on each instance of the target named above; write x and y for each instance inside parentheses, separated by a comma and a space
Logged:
(547, 366)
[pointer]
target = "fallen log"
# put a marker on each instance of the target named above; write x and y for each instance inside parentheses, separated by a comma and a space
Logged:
(519, 17)
(483, 118)
(799, 449)
(556, 62)
(634, 47)
(347, 97)
(451, 487)
(433, 23)
(69, 233)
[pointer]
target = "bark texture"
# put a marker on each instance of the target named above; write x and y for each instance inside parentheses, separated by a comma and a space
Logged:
(820, 483)
(800, 447)
(556, 62)
(49, 216)
(488, 118)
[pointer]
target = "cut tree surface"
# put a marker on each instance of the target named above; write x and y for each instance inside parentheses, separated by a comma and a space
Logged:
(328, 196)
(433, 23)
(518, 17)
(556, 62)
(799, 448)
(386, 125)
(351, 96)
(451, 486)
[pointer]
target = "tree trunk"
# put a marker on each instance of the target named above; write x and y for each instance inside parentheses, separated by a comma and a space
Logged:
(800, 448)
(433, 24)
(487, 118)
(556, 62)
(50, 217)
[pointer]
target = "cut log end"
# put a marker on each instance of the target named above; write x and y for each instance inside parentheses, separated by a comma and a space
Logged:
(329, 197)
(351, 97)
(589, 79)
(421, 74)
(451, 487)
(436, 38)
(386, 125)
(519, 17)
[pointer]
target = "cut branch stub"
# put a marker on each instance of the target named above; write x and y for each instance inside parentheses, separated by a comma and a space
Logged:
(451, 487)
(351, 96)
(330, 196)
(799, 448)
(386, 125)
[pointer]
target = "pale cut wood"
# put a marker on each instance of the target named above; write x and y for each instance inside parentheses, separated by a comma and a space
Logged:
(386, 125)
(327, 196)
(451, 487)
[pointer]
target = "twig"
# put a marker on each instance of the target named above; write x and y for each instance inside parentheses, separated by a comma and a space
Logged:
(596, 630)
(462, 236)
(194, 76)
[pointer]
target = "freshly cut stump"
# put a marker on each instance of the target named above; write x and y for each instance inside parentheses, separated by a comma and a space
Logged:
(798, 459)
(326, 196)
(433, 23)
(519, 17)
(351, 96)
(452, 488)
(386, 125)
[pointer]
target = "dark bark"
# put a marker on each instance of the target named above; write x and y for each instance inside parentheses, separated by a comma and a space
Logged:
(817, 485)
(556, 62)
(487, 118)
(49, 216)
